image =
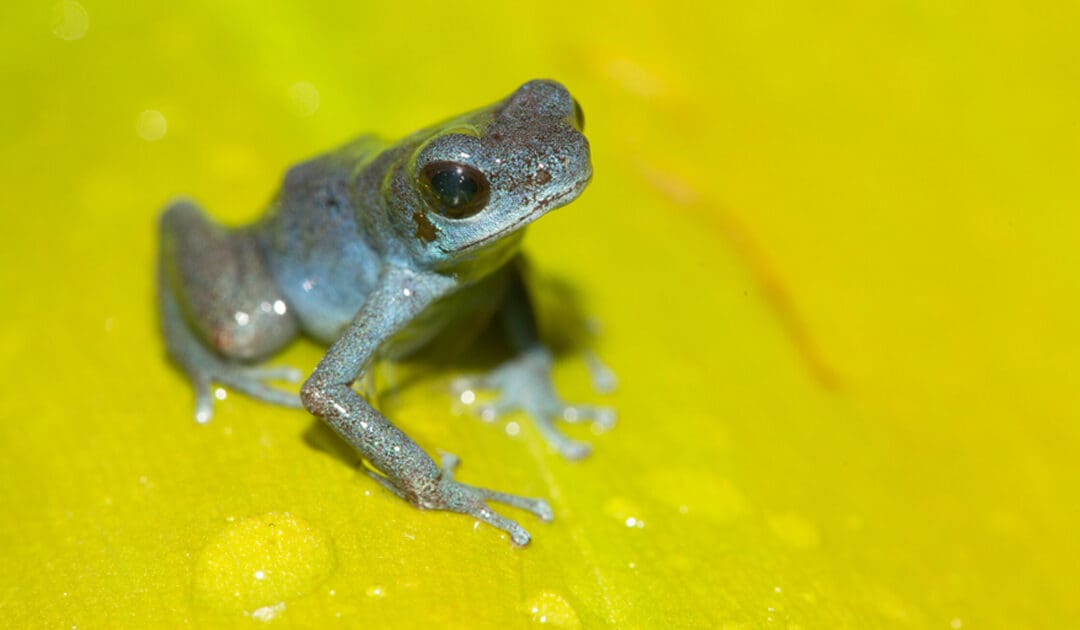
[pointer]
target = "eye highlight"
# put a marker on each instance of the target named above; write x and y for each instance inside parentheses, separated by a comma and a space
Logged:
(456, 191)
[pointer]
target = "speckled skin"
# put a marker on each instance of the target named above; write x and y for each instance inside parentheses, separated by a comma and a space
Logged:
(352, 253)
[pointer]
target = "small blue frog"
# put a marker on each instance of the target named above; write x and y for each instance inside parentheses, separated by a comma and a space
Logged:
(375, 249)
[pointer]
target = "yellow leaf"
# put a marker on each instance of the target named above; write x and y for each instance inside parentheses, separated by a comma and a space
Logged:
(833, 249)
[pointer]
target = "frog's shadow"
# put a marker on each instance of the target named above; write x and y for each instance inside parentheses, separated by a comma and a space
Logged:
(564, 329)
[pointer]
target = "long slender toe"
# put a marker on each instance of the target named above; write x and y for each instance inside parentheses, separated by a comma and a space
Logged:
(204, 404)
(448, 463)
(569, 448)
(259, 390)
(602, 377)
(274, 373)
(539, 507)
(601, 417)
(518, 534)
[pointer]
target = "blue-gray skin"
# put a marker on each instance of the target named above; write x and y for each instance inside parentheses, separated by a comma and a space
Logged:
(375, 248)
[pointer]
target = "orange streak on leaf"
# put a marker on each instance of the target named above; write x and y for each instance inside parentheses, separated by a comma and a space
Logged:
(722, 221)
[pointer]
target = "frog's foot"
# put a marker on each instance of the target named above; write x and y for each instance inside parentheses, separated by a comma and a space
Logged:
(453, 496)
(603, 378)
(250, 380)
(524, 383)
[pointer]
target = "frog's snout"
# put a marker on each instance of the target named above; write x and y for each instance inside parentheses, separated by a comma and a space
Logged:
(544, 97)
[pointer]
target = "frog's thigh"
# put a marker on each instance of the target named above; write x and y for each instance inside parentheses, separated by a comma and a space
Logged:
(222, 285)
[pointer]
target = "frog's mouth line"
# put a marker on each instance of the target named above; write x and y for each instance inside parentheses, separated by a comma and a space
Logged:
(541, 208)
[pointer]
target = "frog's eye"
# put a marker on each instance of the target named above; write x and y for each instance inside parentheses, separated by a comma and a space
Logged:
(456, 191)
(579, 116)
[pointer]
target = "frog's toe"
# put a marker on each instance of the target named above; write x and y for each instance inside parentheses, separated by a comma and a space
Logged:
(545, 418)
(452, 495)
(568, 447)
(471, 500)
(518, 534)
(601, 418)
(492, 411)
(547, 410)
(524, 384)
(464, 388)
(539, 507)
(204, 404)
(273, 373)
(244, 381)
(601, 376)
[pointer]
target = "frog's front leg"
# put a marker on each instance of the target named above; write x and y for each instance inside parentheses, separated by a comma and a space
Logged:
(408, 471)
(524, 382)
(220, 309)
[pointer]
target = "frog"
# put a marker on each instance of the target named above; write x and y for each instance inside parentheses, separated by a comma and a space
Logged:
(374, 249)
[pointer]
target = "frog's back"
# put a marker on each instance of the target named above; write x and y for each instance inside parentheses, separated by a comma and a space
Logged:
(322, 257)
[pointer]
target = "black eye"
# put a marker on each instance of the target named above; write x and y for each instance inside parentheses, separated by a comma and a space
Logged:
(579, 116)
(456, 191)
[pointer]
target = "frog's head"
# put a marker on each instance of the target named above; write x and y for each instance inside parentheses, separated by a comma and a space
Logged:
(461, 192)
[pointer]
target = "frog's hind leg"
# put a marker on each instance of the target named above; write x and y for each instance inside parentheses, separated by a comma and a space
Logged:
(220, 309)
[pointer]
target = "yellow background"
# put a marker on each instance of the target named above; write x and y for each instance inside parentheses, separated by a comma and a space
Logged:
(833, 247)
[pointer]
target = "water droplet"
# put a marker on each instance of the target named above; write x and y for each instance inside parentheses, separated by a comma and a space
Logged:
(69, 20)
(794, 530)
(151, 125)
(266, 613)
(303, 98)
(257, 563)
(625, 511)
(375, 591)
(468, 397)
(550, 608)
(696, 491)
(512, 428)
